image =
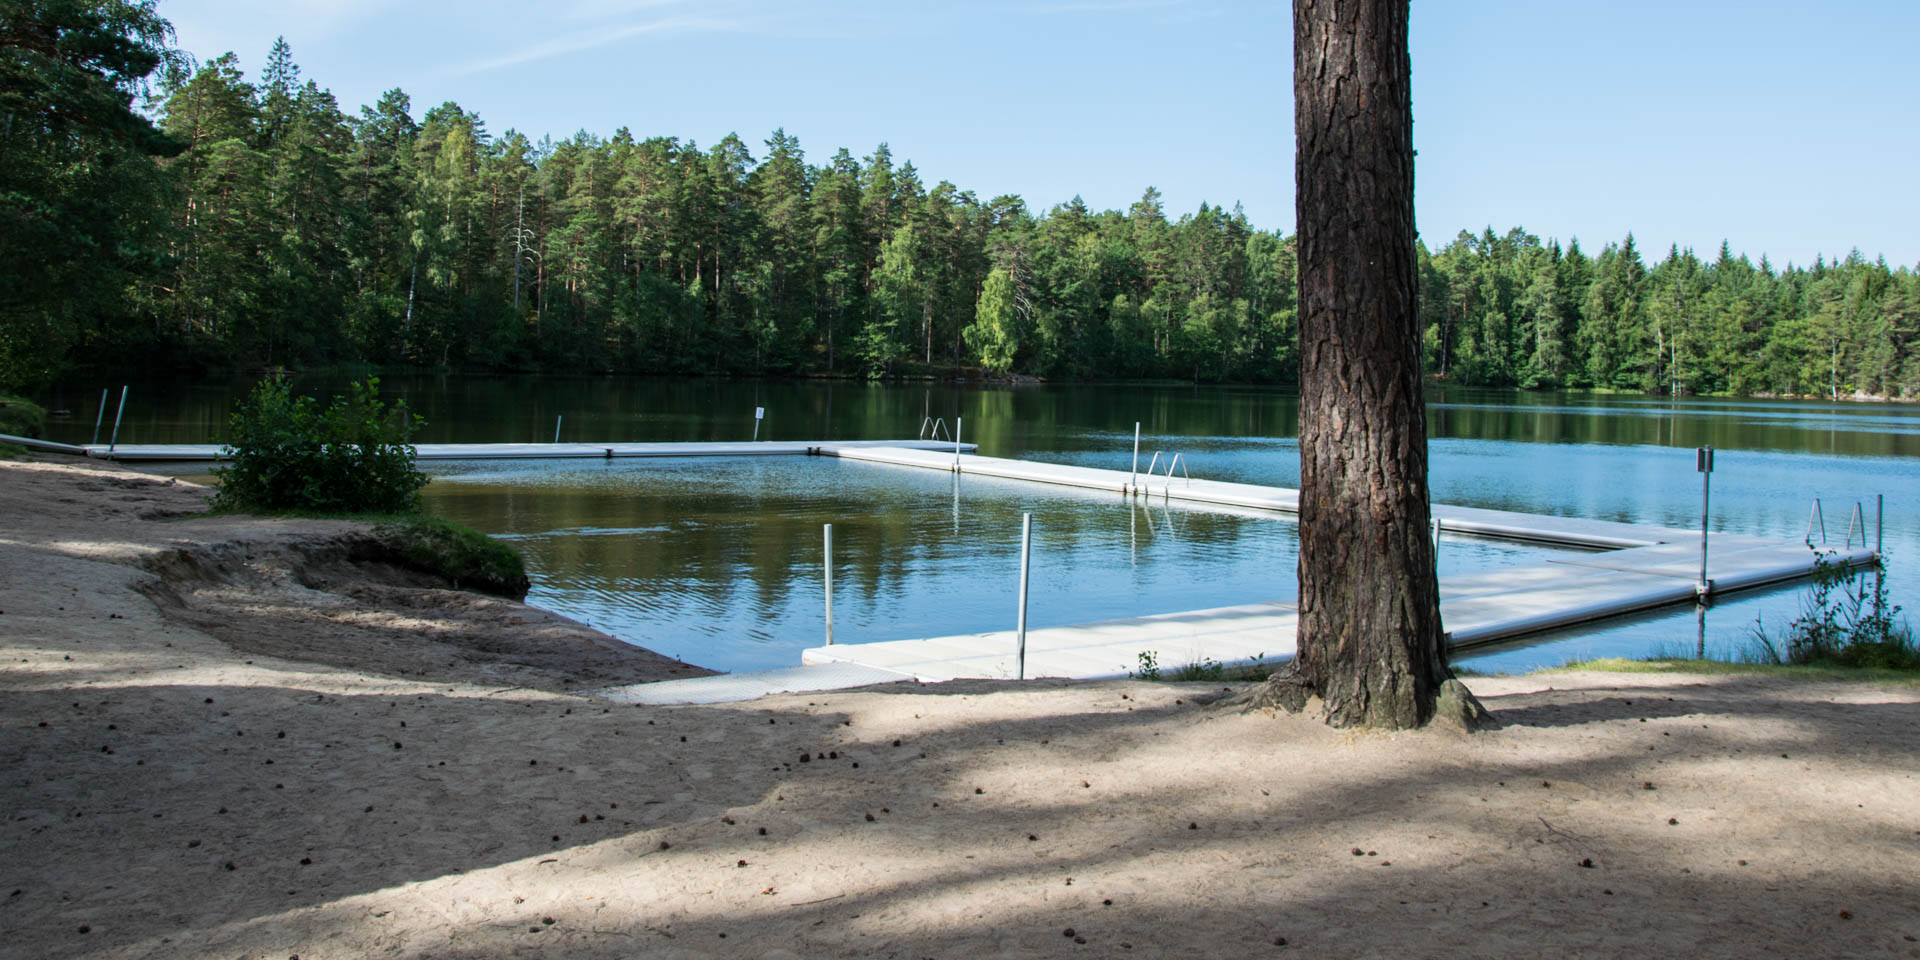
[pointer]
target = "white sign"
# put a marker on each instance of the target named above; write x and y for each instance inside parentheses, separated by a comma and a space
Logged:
(759, 413)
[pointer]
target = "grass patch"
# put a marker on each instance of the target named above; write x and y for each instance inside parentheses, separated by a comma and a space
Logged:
(466, 556)
(21, 417)
(1735, 668)
(471, 560)
(1208, 670)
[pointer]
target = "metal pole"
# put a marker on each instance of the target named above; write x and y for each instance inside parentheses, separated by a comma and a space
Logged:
(1026, 552)
(556, 427)
(1133, 481)
(1879, 560)
(956, 444)
(115, 439)
(826, 573)
(1706, 488)
(98, 418)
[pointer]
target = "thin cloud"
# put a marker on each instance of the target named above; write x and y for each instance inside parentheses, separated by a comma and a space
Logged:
(591, 39)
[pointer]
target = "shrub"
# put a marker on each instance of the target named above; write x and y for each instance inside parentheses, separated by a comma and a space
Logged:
(463, 555)
(21, 418)
(1845, 621)
(290, 453)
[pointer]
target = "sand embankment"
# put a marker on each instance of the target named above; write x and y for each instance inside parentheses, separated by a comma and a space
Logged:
(228, 738)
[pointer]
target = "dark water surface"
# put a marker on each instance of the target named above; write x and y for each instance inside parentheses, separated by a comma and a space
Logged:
(718, 560)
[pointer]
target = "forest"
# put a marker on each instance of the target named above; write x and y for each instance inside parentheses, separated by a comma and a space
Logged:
(173, 215)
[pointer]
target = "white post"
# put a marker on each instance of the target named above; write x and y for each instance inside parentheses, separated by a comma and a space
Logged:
(956, 444)
(1703, 461)
(1026, 552)
(826, 576)
(556, 427)
(759, 413)
(117, 414)
(100, 417)
(1133, 480)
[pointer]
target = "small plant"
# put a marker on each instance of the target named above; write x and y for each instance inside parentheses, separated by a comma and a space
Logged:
(290, 453)
(21, 417)
(1207, 669)
(467, 557)
(1149, 666)
(1845, 620)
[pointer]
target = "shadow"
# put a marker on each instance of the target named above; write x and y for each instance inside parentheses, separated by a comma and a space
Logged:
(878, 844)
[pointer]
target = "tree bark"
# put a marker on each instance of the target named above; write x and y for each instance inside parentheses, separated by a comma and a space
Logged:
(1370, 641)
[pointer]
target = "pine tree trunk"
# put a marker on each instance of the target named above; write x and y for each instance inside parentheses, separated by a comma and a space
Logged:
(1370, 641)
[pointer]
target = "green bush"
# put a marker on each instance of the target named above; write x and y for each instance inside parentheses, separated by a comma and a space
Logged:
(289, 453)
(1845, 621)
(21, 418)
(467, 557)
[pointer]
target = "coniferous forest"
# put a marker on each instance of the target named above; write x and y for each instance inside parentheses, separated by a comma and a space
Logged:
(164, 214)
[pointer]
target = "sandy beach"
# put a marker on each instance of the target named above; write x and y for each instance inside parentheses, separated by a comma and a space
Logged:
(229, 737)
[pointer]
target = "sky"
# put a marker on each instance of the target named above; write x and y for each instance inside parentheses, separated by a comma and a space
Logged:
(1785, 130)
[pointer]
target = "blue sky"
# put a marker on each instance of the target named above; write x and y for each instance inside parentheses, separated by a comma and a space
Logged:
(1785, 129)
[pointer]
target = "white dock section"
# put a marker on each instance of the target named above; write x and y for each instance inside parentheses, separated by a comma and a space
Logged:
(545, 451)
(1476, 608)
(1500, 524)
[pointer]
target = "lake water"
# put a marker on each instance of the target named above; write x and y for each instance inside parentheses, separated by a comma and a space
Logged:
(718, 561)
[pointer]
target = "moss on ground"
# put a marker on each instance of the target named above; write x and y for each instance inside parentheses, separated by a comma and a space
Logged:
(461, 554)
(21, 417)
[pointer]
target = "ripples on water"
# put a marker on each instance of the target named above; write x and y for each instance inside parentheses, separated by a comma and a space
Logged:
(718, 560)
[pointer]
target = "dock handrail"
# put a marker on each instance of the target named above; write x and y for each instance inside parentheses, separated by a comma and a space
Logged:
(1178, 460)
(1816, 516)
(931, 427)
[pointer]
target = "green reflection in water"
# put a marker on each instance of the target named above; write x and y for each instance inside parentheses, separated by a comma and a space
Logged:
(718, 561)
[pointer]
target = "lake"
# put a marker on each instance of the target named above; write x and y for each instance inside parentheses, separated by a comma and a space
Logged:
(719, 561)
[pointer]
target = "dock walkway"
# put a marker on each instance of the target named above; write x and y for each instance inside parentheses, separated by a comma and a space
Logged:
(1640, 566)
(188, 452)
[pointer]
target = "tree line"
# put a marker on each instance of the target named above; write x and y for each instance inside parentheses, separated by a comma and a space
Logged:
(254, 223)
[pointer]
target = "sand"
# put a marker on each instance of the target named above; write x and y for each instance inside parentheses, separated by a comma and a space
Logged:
(226, 738)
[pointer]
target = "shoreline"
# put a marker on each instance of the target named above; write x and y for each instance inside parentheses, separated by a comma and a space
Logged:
(198, 766)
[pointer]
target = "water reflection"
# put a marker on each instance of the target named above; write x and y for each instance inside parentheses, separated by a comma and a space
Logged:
(719, 561)
(713, 560)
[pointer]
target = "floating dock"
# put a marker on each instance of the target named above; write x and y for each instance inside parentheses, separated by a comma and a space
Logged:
(1637, 567)
(190, 452)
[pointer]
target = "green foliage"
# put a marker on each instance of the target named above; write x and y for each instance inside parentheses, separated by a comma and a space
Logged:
(463, 555)
(13, 451)
(1205, 669)
(1845, 621)
(291, 454)
(1149, 666)
(81, 200)
(21, 418)
(288, 232)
